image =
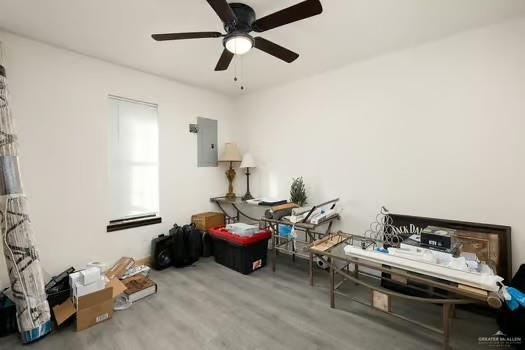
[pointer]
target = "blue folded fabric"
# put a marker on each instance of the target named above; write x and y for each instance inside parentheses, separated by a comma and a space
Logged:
(517, 299)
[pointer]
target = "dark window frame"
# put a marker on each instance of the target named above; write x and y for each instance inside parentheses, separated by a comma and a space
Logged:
(131, 222)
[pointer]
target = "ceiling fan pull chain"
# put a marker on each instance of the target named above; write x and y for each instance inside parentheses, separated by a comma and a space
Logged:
(235, 69)
(242, 73)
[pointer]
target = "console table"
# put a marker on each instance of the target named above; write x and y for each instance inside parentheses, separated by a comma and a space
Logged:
(222, 202)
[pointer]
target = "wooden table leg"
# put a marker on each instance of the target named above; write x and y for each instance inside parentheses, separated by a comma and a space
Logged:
(311, 269)
(332, 283)
(446, 325)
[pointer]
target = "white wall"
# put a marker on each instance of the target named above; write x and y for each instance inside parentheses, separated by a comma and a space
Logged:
(437, 130)
(59, 101)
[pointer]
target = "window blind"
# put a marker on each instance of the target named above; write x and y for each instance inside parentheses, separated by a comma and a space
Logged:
(134, 158)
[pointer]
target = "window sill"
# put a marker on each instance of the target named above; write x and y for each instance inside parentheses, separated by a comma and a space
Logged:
(125, 224)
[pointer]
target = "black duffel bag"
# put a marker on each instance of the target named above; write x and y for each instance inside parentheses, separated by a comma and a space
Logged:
(187, 246)
(207, 244)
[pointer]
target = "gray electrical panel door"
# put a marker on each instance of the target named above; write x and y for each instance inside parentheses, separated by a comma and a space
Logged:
(207, 142)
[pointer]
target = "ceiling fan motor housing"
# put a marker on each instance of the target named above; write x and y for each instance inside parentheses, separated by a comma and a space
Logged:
(245, 18)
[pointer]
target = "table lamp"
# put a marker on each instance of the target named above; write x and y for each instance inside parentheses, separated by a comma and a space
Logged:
(247, 163)
(230, 154)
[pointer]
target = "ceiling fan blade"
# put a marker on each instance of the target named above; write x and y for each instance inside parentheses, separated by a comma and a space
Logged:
(224, 61)
(181, 36)
(223, 10)
(275, 50)
(291, 14)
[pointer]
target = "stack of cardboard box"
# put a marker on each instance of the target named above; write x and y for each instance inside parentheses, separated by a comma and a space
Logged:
(92, 295)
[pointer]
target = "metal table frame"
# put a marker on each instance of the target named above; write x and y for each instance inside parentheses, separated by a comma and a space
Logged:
(289, 246)
(236, 217)
(456, 295)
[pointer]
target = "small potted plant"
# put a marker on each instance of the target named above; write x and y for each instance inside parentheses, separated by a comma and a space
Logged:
(298, 192)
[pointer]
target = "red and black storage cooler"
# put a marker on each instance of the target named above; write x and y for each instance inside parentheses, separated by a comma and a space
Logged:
(242, 254)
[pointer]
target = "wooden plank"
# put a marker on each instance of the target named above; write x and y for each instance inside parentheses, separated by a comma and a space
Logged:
(397, 278)
(328, 242)
(474, 290)
(381, 301)
(144, 261)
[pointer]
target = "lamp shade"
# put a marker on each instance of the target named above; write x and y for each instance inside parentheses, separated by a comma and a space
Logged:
(248, 161)
(231, 153)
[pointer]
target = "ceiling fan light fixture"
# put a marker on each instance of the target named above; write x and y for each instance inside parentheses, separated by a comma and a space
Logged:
(238, 43)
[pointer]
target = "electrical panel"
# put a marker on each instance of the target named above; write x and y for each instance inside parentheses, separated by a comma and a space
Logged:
(207, 142)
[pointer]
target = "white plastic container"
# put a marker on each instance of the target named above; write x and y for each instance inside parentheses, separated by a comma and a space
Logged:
(89, 275)
(242, 229)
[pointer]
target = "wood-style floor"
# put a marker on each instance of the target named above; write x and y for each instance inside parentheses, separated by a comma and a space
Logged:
(208, 306)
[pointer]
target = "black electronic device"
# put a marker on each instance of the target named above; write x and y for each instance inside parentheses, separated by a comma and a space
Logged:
(8, 323)
(438, 237)
(162, 251)
(58, 289)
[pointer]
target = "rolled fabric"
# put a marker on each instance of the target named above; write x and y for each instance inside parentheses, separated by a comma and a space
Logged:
(21, 255)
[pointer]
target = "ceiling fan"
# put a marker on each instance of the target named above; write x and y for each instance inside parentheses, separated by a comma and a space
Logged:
(239, 21)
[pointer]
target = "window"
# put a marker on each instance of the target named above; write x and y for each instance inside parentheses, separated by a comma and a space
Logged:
(134, 164)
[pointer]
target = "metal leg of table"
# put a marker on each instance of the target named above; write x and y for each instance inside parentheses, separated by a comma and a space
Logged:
(311, 267)
(332, 283)
(329, 228)
(446, 325)
(356, 273)
(277, 238)
(274, 253)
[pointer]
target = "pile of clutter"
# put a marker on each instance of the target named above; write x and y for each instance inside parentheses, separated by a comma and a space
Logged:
(89, 296)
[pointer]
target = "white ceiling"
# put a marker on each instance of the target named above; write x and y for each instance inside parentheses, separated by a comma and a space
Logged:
(348, 30)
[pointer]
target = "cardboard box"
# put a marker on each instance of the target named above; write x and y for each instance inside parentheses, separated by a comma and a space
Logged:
(94, 308)
(64, 311)
(205, 221)
(120, 268)
(90, 309)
